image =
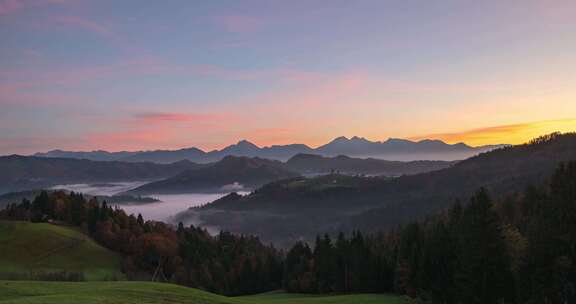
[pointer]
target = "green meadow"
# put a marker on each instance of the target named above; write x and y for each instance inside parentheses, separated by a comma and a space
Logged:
(28, 292)
(289, 298)
(28, 249)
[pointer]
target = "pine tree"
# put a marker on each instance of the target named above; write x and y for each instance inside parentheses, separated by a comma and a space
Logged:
(140, 220)
(483, 274)
(549, 275)
(40, 207)
(324, 264)
(342, 272)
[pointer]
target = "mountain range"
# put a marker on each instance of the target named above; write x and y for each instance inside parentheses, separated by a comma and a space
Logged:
(391, 149)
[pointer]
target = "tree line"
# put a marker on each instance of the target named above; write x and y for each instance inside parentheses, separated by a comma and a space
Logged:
(226, 264)
(518, 249)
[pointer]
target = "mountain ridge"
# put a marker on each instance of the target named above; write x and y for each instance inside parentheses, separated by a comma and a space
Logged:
(390, 149)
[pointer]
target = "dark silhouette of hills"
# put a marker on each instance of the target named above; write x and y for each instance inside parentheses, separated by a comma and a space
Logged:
(28, 172)
(99, 155)
(15, 197)
(400, 149)
(295, 208)
(229, 174)
(166, 156)
(318, 164)
(24, 173)
(392, 149)
(244, 173)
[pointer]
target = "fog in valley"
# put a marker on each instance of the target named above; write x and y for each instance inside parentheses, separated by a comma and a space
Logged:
(169, 205)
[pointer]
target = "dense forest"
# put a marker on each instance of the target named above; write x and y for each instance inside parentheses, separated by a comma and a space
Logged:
(520, 248)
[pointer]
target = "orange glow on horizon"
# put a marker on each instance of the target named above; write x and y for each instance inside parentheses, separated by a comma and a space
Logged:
(505, 134)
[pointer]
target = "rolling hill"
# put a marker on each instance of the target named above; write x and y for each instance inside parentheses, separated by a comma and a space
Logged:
(37, 250)
(23, 173)
(243, 173)
(26, 172)
(291, 209)
(229, 174)
(104, 292)
(289, 298)
(14, 292)
(318, 164)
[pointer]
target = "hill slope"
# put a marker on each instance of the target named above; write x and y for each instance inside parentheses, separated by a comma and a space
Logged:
(104, 292)
(233, 172)
(292, 209)
(26, 172)
(290, 298)
(318, 164)
(44, 248)
(151, 293)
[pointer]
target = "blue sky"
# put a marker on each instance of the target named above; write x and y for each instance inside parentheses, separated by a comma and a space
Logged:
(134, 75)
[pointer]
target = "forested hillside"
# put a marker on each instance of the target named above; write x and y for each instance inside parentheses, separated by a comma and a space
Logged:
(519, 249)
(240, 172)
(226, 264)
(334, 202)
(318, 164)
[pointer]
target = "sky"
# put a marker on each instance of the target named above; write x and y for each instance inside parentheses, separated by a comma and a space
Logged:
(140, 75)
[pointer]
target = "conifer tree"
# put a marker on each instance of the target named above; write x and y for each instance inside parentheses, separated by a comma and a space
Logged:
(483, 274)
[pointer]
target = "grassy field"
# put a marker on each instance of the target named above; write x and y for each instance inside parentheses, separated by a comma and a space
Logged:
(25, 292)
(20, 292)
(286, 298)
(28, 248)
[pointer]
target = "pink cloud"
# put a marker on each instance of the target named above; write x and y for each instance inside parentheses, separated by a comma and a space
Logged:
(182, 117)
(156, 130)
(555, 12)
(9, 6)
(306, 107)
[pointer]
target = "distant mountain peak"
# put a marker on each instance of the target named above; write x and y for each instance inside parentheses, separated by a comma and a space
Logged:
(342, 157)
(360, 139)
(392, 140)
(340, 139)
(246, 144)
(431, 141)
(461, 144)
